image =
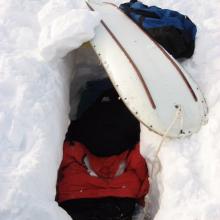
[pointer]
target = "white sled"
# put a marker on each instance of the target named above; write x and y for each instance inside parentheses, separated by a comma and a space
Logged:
(150, 82)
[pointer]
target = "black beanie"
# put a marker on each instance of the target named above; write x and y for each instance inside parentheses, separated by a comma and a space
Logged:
(107, 127)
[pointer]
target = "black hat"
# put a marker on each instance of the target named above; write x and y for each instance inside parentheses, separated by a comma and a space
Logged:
(107, 127)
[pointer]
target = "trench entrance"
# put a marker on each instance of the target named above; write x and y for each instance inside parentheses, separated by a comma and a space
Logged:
(87, 68)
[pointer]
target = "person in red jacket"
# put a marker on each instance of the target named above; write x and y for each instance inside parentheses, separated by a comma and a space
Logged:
(103, 175)
(83, 175)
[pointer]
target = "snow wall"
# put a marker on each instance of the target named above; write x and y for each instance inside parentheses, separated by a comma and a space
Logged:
(34, 106)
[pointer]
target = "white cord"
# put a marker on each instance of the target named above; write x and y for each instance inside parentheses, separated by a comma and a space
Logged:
(178, 114)
(156, 160)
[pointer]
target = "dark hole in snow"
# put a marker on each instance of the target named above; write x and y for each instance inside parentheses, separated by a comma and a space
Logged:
(87, 68)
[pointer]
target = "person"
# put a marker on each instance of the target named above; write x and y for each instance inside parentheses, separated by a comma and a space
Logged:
(103, 175)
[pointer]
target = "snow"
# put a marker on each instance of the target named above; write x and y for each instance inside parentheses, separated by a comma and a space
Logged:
(34, 107)
(64, 28)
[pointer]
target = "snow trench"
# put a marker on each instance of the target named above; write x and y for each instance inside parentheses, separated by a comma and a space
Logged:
(37, 60)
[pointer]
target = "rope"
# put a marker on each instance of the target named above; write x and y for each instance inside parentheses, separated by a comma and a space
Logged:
(156, 160)
(178, 114)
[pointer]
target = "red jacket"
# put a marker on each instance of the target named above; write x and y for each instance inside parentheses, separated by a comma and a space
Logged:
(83, 175)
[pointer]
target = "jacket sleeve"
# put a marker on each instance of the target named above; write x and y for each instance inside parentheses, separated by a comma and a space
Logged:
(138, 164)
(72, 152)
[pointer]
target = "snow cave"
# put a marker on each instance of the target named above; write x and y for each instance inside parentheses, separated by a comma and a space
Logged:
(88, 72)
(89, 81)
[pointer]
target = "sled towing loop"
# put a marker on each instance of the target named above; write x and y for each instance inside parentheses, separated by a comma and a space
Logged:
(178, 115)
(156, 165)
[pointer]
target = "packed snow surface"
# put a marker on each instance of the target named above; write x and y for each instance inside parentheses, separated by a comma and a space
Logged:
(34, 108)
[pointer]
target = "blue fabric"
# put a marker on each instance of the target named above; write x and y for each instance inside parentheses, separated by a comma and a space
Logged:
(91, 92)
(166, 18)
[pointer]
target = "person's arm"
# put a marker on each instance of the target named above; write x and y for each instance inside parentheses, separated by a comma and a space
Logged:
(138, 163)
(72, 152)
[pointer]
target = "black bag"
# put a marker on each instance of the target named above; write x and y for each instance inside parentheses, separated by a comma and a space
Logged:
(109, 208)
(174, 31)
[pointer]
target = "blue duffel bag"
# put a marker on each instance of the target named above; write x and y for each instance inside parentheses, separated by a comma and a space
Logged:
(174, 31)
